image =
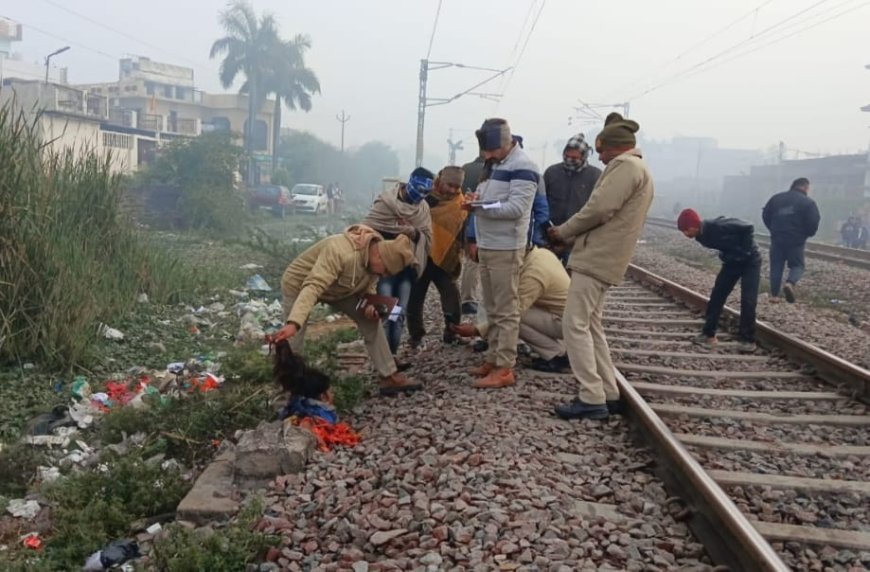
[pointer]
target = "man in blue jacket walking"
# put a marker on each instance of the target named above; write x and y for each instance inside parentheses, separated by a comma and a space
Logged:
(791, 217)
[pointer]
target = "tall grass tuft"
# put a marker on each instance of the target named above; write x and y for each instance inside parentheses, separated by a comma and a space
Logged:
(69, 257)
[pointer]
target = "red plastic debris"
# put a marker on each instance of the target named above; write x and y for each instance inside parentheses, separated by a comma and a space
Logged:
(33, 542)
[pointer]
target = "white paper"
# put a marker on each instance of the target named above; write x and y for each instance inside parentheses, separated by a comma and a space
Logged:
(395, 313)
(488, 206)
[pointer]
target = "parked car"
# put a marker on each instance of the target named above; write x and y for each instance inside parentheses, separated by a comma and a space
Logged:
(274, 197)
(308, 198)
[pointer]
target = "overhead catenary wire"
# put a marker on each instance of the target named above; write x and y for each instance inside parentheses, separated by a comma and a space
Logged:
(63, 39)
(783, 38)
(127, 35)
(434, 29)
(696, 45)
(761, 36)
(525, 46)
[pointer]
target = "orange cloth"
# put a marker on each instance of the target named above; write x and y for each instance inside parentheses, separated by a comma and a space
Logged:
(327, 434)
(448, 217)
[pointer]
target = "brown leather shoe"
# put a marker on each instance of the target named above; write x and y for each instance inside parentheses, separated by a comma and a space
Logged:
(482, 370)
(499, 377)
(397, 383)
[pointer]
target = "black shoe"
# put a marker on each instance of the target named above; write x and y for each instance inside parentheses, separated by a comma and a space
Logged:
(480, 346)
(523, 349)
(469, 308)
(615, 407)
(577, 409)
(556, 365)
(788, 291)
(402, 366)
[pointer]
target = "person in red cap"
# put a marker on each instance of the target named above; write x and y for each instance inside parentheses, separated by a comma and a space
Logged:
(735, 241)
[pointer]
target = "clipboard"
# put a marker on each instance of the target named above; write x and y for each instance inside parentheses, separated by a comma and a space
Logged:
(383, 304)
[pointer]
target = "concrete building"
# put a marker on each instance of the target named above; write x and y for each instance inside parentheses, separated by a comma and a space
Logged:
(161, 98)
(74, 119)
(14, 65)
(840, 184)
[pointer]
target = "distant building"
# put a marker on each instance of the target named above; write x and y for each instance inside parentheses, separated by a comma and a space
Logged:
(13, 65)
(161, 97)
(151, 103)
(839, 183)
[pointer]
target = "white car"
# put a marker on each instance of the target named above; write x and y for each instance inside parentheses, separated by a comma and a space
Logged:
(309, 198)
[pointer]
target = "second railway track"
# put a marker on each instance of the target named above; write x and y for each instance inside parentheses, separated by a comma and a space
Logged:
(830, 252)
(770, 450)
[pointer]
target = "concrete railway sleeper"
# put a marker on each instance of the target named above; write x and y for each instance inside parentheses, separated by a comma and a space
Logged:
(772, 462)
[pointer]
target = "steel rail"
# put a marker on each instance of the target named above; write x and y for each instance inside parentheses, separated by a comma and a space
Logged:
(841, 373)
(729, 537)
(831, 253)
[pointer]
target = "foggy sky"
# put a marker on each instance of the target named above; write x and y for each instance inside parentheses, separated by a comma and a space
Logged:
(805, 90)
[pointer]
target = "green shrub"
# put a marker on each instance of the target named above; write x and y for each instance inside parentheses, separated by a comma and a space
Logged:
(226, 550)
(69, 257)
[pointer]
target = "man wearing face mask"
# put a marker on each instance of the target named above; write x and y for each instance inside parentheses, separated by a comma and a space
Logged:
(569, 185)
(402, 210)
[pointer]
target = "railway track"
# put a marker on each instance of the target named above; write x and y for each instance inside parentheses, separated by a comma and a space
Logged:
(818, 250)
(769, 452)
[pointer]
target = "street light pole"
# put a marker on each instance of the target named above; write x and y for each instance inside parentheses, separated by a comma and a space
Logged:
(48, 59)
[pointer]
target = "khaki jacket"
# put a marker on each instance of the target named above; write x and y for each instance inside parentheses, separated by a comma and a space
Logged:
(333, 269)
(543, 283)
(607, 228)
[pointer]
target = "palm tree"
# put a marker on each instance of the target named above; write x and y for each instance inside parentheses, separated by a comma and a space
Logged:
(248, 48)
(291, 82)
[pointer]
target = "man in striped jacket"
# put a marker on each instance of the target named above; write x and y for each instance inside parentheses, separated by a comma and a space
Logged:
(502, 207)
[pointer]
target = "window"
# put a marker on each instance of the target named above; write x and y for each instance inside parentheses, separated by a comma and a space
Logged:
(117, 140)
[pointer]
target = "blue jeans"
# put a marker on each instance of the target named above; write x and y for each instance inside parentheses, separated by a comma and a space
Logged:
(398, 286)
(780, 255)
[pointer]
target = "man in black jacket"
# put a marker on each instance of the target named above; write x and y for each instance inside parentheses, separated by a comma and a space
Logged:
(791, 217)
(569, 184)
(735, 241)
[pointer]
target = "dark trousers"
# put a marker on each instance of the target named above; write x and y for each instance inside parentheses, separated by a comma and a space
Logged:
(780, 255)
(450, 300)
(749, 275)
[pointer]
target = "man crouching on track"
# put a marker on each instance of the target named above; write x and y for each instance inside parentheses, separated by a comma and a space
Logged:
(339, 270)
(605, 232)
(543, 290)
(735, 241)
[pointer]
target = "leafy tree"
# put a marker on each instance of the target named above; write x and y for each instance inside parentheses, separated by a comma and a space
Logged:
(291, 83)
(248, 49)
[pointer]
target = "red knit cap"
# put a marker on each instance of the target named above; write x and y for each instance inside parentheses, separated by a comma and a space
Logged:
(688, 219)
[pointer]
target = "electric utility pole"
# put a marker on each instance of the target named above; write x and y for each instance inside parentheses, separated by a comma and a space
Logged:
(342, 118)
(423, 101)
(453, 147)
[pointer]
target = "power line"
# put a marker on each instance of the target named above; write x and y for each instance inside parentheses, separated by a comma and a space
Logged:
(62, 39)
(520, 35)
(124, 34)
(525, 45)
(694, 46)
(434, 29)
(787, 36)
(730, 50)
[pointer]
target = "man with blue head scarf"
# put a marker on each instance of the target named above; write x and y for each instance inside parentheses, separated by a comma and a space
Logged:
(403, 210)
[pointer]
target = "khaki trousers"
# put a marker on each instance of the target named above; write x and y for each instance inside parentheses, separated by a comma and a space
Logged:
(469, 283)
(499, 281)
(584, 338)
(371, 331)
(542, 330)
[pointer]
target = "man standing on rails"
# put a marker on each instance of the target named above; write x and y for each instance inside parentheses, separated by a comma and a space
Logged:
(569, 184)
(605, 233)
(791, 217)
(735, 241)
(502, 207)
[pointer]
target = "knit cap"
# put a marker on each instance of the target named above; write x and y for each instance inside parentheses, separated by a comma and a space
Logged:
(688, 219)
